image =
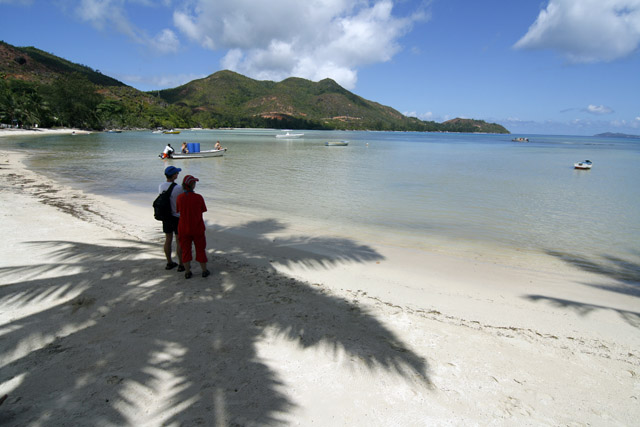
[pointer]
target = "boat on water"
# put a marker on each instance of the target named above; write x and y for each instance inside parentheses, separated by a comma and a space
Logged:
(199, 154)
(336, 143)
(290, 135)
(191, 150)
(586, 164)
(520, 139)
(171, 132)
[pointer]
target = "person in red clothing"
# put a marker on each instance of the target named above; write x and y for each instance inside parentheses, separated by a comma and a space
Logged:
(191, 228)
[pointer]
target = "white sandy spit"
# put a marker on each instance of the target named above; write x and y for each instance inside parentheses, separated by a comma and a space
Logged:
(293, 328)
(40, 131)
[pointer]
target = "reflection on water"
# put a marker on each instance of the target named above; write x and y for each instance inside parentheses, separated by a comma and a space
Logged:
(402, 188)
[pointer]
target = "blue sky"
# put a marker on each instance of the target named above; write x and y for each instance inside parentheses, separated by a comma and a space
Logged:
(547, 67)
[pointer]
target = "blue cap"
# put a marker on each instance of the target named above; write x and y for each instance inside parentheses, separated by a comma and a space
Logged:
(171, 170)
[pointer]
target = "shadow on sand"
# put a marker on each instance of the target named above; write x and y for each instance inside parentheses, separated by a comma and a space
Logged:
(113, 333)
(624, 273)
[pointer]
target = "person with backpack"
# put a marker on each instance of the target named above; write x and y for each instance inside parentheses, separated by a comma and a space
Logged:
(191, 228)
(170, 217)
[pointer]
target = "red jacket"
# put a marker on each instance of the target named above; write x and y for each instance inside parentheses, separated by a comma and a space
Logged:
(191, 206)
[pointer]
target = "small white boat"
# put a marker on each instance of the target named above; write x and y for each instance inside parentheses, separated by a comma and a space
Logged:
(290, 135)
(583, 165)
(336, 143)
(199, 155)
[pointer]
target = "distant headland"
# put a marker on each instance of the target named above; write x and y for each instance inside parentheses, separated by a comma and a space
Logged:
(616, 135)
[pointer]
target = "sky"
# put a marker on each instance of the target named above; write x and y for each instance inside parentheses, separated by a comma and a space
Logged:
(564, 67)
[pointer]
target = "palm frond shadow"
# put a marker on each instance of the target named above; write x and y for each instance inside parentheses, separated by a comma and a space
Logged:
(327, 251)
(583, 309)
(625, 272)
(123, 333)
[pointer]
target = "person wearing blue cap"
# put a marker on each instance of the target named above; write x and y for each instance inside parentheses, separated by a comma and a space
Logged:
(170, 226)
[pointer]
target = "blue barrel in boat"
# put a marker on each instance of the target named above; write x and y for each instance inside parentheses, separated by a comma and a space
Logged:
(193, 147)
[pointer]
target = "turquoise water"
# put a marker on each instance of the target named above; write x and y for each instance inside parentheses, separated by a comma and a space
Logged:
(408, 189)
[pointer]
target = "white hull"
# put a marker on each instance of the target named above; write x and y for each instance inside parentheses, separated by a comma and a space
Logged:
(200, 155)
(582, 165)
(336, 143)
(290, 135)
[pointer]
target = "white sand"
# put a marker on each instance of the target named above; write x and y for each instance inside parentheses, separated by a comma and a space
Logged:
(293, 327)
(40, 131)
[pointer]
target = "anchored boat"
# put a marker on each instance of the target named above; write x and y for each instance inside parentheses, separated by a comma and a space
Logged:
(583, 165)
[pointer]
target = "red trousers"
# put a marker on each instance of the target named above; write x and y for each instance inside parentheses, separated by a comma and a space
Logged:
(199, 241)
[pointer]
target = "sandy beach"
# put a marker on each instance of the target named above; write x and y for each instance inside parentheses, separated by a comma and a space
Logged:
(41, 131)
(294, 326)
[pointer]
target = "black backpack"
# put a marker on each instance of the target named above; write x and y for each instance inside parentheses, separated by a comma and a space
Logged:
(162, 204)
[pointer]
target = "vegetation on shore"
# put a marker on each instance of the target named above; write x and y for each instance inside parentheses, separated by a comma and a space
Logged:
(40, 88)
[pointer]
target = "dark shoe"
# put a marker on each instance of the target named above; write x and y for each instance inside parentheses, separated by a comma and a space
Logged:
(180, 268)
(206, 273)
(171, 265)
(188, 275)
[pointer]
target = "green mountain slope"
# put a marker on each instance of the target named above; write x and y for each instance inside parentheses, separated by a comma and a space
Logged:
(37, 87)
(29, 63)
(298, 103)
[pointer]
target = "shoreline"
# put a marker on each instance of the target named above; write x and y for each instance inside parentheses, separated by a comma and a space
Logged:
(41, 132)
(414, 337)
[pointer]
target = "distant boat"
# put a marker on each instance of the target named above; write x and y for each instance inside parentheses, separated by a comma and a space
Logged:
(114, 131)
(171, 132)
(520, 139)
(336, 143)
(290, 135)
(583, 165)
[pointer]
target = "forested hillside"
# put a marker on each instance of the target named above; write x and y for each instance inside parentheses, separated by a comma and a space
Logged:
(38, 88)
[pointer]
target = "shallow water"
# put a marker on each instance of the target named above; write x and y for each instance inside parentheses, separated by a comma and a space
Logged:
(415, 190)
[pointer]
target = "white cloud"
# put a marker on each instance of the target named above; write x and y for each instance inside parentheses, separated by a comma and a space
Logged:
(312, 39)
(586, 31)
(110, 15)
(428, 116)
(165, 42)
(598, 109)
(159, 81)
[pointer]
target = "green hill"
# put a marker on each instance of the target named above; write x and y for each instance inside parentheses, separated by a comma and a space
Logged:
(38, 87)
(228, 97)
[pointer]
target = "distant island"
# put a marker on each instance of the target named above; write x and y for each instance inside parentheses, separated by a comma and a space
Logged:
(43, 90)
(616, 135)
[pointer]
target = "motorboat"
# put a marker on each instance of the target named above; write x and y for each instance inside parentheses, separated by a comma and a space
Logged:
(171, 132)
(520, 139)
(199, 154)
(586, 164)
(336, 143)
(290, 135)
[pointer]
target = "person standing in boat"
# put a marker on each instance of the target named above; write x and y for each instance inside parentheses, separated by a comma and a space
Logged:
(218, 146)
(184, 149)
(170, 226)
(168, 152)
(191, 229)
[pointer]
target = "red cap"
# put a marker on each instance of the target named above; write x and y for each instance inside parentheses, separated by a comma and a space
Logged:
(189, 180)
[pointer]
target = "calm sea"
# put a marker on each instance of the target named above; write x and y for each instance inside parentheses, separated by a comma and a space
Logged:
(417, 190)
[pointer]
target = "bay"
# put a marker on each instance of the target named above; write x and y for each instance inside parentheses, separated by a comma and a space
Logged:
(424, 191)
